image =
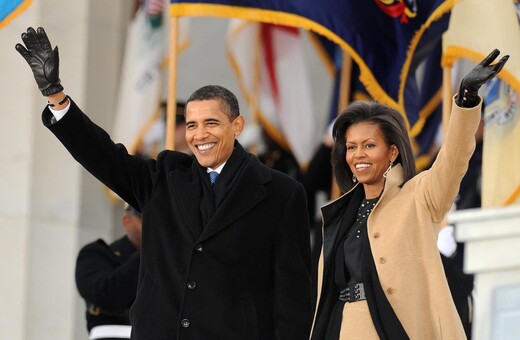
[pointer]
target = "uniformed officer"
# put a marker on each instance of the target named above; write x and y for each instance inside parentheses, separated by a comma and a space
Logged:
(106, 277)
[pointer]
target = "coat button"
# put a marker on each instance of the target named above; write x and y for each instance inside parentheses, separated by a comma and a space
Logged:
(377, 235)
(199, 248)
(185, 323)
(390, 290)
(382, 260)
(191, 285)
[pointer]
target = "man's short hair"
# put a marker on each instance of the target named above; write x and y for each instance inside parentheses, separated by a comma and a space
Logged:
(228, 101)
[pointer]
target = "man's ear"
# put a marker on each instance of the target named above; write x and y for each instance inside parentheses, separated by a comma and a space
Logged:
(238, 125)
(125, 221)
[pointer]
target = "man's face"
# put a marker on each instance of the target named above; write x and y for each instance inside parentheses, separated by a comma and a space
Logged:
(209, 132)
(132, 223)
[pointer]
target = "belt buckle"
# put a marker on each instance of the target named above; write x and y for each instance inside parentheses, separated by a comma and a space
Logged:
(344, 295)
(359, 290)
(353, 293)
(94, 310)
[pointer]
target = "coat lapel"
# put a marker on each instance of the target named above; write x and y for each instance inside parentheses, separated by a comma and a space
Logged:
(248, 191)
(333, 219)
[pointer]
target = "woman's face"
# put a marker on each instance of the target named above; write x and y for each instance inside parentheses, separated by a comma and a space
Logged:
(368, 156)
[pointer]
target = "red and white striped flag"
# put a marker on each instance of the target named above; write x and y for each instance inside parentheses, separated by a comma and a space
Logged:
(270, 66)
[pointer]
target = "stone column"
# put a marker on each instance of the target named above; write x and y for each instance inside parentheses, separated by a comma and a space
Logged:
(50, 206)
(492, 242)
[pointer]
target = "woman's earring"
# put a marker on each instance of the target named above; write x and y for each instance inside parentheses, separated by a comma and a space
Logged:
(388, 170)
(354, 179)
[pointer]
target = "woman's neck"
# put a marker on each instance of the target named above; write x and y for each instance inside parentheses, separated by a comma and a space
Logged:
(373, 191)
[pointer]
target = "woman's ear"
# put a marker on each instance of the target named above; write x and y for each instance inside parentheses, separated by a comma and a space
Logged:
(394, 152)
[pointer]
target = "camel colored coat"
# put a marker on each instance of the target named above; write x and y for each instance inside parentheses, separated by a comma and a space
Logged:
(403, 229)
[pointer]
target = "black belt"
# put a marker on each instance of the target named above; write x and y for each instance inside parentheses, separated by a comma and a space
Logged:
(97, 311)
(354, 292)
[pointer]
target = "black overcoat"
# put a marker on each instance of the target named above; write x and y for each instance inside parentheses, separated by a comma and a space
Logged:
(245, 275)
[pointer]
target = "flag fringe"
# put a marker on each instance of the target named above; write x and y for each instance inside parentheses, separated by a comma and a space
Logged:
(453, 53)
(288, 19)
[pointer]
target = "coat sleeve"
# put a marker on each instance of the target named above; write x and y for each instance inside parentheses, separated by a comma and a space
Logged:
(440, 184)
(104, 281)
(130, 177)
(292, 282)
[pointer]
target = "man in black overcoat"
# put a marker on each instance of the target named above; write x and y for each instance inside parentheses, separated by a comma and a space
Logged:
(228, 260)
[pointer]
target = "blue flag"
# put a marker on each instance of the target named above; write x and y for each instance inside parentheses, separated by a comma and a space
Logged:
(422, 102)
(11, 8)
(382, 37)
(423, 99)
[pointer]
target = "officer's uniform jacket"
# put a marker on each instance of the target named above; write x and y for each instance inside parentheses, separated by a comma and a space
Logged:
(106, 278)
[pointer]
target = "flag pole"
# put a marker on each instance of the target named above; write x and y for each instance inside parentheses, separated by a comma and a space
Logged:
(171, 103)
(446, 97)
(343, 102)
(344, 87)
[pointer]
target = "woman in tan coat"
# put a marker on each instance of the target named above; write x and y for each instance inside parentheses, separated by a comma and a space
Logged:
(380, 274)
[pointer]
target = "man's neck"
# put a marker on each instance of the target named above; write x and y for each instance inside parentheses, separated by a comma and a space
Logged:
(218, 169)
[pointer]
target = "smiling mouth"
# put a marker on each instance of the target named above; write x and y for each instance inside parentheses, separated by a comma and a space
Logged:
(361, 167)
(204, 147)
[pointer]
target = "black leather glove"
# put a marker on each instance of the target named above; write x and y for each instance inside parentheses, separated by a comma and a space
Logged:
(469, 86)
(43, 60)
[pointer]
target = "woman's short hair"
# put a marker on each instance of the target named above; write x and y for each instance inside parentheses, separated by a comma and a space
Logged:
(392, 126)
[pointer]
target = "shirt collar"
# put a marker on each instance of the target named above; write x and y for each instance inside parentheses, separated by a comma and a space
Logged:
(219, 169)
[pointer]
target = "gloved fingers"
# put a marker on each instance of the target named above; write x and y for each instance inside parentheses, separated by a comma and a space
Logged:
(30, 39)
(489, 59)
(44, 41)
(498, 66)
(56, 54)
(23, 51)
